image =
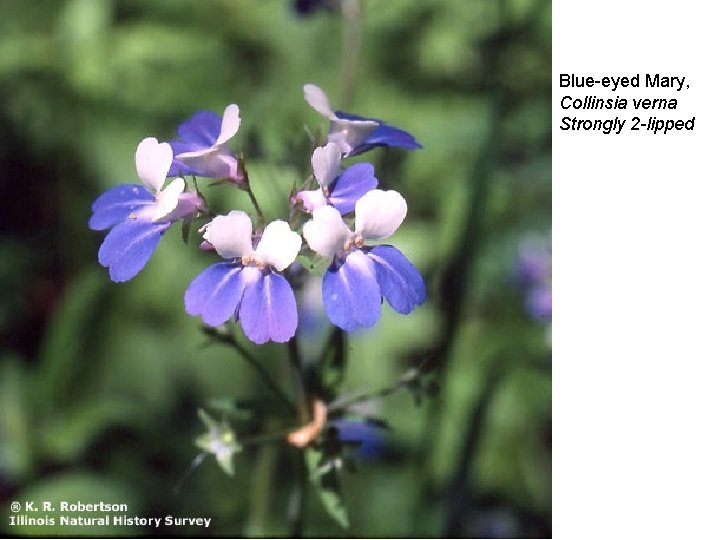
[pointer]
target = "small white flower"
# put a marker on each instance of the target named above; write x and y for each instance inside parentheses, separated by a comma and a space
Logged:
(219, 441)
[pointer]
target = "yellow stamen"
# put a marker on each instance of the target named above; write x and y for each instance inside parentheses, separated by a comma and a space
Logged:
(251, 260)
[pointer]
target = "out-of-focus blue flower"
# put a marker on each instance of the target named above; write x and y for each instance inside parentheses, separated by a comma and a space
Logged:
(359, 277)
(491, 522)
(533, 271)
(534, 261)
(369, 437)
(249, 287)
(356, 134)
(308, 7)
(338, 188)
(138, 215)
(202, 149)
(311, 315)
(538, 302)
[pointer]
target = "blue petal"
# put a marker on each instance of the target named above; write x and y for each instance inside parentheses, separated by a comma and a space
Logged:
(215, 293)
(383, 135)
(117, 203)
(351, 294)
(198, 133)
(177, 167)
(369, 436)
(267, 310)
(388, 135)
(128, 247)
(400, 282)
(202, 129)
(538, 302)
(352, 184)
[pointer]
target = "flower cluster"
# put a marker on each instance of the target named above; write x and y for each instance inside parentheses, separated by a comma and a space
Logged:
(251, 284)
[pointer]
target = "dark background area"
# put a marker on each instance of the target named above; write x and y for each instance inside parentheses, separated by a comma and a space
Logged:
(100, 383)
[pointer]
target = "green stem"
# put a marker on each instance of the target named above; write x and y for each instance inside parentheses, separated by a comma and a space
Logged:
(256, 205)
(277, 436)
(296, 363)
(351, 46)
(246, 187)
(262, 489)
(298, 503)
(458, 495)
(343, 403)
(297, 510)
(229, 339)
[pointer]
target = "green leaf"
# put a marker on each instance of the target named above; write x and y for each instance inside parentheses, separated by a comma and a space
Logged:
(324, 477)
(67, 339)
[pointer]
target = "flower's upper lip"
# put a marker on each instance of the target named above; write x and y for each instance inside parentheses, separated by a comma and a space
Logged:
(202, 148)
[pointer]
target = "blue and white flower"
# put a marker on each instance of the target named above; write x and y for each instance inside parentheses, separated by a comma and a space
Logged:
(248, 287)
(356, 134)
(338, 188)
(359, 277)
(138, 215)
(202, 149)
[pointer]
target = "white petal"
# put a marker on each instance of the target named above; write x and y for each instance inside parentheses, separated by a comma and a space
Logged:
(311, 199)
(326, 163)
(318, 100)
(168, 198)
(379, 213)
(348, 134)
(279, 245)
(152, 161)
(211, 162)
(194, 154)
(230, 235)
(326, 232)
(230, 124)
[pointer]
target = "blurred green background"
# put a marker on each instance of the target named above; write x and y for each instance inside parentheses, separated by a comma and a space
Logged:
(100, 382)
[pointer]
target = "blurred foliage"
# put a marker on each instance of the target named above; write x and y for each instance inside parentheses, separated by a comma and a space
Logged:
(100, 383)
